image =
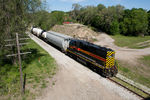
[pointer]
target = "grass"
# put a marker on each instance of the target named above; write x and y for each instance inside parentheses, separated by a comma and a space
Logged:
(131, 42)
(139, 74)
(131, 87)
(94, 39)
(38, 66)
(146, 60)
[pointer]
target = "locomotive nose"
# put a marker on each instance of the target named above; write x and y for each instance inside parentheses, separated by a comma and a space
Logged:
(110, 60)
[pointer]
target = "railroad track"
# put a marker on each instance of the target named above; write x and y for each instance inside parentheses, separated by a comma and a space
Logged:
(143, 97)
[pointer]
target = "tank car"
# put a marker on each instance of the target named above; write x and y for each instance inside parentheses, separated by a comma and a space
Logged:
(60, 40)
(36, 31)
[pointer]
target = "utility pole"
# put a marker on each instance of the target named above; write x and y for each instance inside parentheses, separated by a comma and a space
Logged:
(20, 67)
(22, 85)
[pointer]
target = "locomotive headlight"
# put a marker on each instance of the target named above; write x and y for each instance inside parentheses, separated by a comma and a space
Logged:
(109, 56)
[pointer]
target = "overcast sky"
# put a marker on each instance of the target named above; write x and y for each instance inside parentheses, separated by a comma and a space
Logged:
(66, 5)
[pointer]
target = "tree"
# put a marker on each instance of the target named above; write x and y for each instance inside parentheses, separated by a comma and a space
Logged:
(114, 19)
(114, 28)
(42, 19)
(110, 15)
(59, 15)
(135, 22)
(89, 13)
(14, 18)
(148, 22)
(46, 20)
(15, 15)
(100, 7)
(76, 8)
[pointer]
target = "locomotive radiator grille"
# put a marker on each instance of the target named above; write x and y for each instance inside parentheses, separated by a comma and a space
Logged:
(110, 59)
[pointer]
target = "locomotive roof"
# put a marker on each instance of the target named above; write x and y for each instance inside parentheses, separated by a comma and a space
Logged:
(93, 45)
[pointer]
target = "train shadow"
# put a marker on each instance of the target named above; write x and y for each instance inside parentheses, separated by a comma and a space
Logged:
(148, 98)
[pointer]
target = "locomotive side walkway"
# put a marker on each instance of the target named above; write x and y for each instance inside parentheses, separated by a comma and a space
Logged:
(76, 82)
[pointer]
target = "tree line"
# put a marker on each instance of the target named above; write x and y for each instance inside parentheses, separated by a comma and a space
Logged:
(113, 19)
(17, 15)
(47, 20)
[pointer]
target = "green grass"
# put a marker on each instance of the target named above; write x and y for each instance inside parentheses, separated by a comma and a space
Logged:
(146, 60)
(137, 73)
(38, 66)
(131, 87)
(94, 39)
(130, 41)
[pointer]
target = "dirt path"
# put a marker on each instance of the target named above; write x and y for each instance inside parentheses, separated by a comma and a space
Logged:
(125, 54)
(76, 82)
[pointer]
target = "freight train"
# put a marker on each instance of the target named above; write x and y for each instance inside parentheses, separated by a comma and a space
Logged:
(101, 59)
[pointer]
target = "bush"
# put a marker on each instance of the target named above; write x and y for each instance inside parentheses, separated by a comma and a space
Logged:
(114, 28)
(135, 22)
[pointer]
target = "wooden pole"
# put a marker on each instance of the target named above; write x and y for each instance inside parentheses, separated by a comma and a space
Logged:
(20, 67)
(17, 54)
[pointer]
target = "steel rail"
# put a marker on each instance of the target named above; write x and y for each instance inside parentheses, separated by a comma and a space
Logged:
(142, 97)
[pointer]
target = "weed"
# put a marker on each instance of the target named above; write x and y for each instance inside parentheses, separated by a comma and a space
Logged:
(37, 66)
(53, 83)
(134, 73)
(146, 60)
(130, 41)
(43, 85)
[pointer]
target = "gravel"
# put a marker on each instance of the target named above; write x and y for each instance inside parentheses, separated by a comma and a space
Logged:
(76, 82)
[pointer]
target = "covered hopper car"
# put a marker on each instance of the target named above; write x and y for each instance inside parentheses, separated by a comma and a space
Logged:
(100, 58)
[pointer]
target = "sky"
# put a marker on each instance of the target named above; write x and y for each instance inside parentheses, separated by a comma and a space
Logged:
(66, 5)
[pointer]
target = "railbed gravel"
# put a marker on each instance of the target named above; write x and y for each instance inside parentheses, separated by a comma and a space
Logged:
(79, 82)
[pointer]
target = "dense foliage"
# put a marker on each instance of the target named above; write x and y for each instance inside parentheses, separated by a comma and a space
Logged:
(15, 16)
(46, 20)
(113, 19)
(134, 22)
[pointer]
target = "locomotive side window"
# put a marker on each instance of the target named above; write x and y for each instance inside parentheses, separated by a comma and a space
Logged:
(101, 53)
(78, 44)
(85, 46)
(71, 43)
(75, 43)
(92, 49)
(81, 45)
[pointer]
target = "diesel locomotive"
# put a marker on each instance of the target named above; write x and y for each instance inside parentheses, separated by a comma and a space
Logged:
(100, 58)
